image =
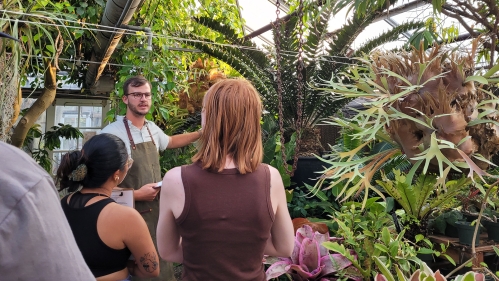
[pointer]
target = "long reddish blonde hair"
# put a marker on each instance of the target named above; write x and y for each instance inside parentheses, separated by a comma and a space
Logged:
(233, 109)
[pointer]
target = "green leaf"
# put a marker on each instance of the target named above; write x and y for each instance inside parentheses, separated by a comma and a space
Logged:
(170, 86)
(400, 274)
(50, 48)
(385, 236)
(384, 270)
(390, 204)
(381, 247)
(37, 36)
(80, 11)
(419, 237)
(394, 248)
(491, 71)
(479, 79)
(289, 195)
(425, 251)
(496, 250)
(164, 112)
(451, 260)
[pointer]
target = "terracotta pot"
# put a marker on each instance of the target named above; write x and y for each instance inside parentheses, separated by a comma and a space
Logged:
(316, 226)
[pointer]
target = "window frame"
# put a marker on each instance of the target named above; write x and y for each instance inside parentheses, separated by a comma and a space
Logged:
(51, 115)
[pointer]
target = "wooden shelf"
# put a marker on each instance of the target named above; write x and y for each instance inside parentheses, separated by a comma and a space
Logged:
(460, 252)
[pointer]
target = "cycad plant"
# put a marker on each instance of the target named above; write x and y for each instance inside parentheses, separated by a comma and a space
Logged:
(324, 56)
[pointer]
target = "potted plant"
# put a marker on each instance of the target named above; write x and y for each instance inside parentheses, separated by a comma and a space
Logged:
(465, 232)
(370, 232)
(490, 222)
(445, 223)
(427, 253)
(422, 274)
(420, 197)
(312, 261)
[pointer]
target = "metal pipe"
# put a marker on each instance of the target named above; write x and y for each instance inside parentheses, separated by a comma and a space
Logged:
(268, 27)
(394, 24)
(116, 13)
(400, 9)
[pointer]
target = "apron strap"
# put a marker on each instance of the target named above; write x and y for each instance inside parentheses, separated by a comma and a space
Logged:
(150, 133)
(130, 138)
(132, 144)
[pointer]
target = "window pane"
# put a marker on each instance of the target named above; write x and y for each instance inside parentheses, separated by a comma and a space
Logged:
(66, 115)
(87, 134)
(90, 116)
(57, 160)
(70, 144)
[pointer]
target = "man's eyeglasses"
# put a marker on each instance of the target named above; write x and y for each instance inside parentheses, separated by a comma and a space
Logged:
(138, 96)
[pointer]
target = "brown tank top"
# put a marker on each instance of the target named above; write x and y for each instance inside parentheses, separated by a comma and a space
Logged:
(225, 223)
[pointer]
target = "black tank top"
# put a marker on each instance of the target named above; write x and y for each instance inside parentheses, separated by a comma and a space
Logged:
(100, 258)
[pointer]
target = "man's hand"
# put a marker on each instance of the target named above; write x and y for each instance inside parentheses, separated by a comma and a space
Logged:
(146, 192)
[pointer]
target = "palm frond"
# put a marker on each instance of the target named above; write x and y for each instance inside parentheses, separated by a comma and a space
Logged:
(232, 37)
(315, 39)
(388, 36)
(244, 65)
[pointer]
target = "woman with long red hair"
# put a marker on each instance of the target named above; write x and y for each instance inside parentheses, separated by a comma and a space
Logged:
(221, 214)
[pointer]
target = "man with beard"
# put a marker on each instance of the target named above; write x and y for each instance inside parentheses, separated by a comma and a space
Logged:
(144, 140)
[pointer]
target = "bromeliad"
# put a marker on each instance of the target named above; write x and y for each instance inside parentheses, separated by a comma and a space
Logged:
(312, 261)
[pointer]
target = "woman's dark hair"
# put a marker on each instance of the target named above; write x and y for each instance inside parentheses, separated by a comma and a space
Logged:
(102, 155)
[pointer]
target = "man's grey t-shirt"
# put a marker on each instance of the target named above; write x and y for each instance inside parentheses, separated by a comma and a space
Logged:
(118, 129)
(36, 242)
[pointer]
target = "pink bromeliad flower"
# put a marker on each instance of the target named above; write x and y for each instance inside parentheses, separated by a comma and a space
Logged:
(311, 261)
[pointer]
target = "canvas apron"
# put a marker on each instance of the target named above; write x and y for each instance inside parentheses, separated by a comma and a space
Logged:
(146, 169)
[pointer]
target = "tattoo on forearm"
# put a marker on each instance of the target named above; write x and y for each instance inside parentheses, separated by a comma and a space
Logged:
(149, 262)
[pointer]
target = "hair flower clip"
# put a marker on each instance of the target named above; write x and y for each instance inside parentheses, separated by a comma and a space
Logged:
(79, 173)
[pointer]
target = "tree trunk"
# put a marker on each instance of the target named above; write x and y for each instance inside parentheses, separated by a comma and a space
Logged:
(17, 106)
(38, 108)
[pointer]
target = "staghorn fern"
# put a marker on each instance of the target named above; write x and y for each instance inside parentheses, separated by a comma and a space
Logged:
(428, 105)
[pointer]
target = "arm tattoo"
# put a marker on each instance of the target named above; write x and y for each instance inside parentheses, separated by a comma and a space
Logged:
(149, 262)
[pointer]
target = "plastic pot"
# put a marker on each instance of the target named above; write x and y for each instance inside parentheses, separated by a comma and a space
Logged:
(465, 231)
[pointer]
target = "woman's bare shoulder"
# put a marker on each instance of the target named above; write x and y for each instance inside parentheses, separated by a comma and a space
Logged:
(119, 213)
(172, 181)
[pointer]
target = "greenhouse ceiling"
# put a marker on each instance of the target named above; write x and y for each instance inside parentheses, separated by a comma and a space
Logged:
(260, 13)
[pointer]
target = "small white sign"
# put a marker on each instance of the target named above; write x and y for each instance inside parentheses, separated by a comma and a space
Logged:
(123, 196)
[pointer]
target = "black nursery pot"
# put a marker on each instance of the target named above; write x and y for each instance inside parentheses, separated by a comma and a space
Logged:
(470, 218)
(492, 230)
(466, 231)
(308, 171)
(451, 231)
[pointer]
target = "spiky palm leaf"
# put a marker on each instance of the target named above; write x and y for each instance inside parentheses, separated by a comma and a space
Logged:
(388, 36)
(320, 61)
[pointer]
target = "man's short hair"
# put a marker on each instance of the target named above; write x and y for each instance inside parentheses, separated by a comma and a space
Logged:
(135, 81)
